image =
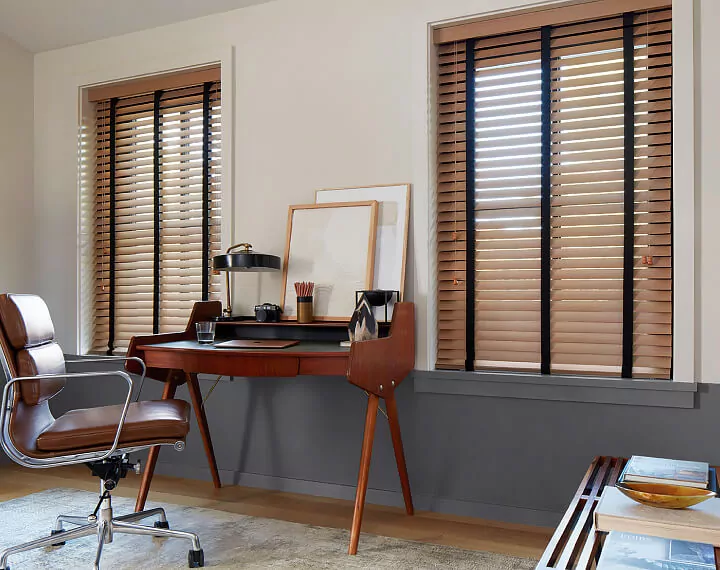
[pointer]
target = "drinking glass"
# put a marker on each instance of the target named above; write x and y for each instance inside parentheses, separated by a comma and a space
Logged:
(205, 332)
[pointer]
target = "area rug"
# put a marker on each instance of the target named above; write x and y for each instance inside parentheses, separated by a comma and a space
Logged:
(229, 541)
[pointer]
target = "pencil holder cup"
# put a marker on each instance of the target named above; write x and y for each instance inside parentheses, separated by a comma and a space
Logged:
(305, 309)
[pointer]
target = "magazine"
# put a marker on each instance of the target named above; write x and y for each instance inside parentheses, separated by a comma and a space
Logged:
(625, 551)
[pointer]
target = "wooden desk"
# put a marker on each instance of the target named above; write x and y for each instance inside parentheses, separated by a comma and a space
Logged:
(576, 545)
(376, 366)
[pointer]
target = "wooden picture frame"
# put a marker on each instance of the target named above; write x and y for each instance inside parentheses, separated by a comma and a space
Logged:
(332, 245)
(392, 231)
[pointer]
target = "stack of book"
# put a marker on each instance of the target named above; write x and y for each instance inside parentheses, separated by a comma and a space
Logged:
(668, 471)
(647, 537)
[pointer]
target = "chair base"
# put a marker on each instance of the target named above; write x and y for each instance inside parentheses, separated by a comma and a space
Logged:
(105, 526)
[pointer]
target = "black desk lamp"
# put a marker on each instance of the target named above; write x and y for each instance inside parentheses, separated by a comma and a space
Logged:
(244, 260)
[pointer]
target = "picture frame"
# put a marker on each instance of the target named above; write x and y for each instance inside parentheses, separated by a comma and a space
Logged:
(392, 231)
(332, 245)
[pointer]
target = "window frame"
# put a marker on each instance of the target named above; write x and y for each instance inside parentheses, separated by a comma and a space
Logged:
(163, 124)
(152, 67)
(683, 232)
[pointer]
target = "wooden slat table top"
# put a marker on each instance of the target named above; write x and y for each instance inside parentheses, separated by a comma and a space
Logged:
(576, 545)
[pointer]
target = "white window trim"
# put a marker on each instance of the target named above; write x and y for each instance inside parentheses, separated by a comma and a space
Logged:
(685, 368)
(225, 56)
(684, 192)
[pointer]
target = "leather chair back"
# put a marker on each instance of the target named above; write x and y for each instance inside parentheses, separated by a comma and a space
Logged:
(29, 346)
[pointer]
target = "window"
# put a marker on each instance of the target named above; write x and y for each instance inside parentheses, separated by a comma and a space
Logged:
(157, 204)
(556, 257)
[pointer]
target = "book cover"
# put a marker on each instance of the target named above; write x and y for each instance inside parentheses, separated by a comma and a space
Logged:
(626, 551)
(700, 523)
(712, 484)
(673, 471)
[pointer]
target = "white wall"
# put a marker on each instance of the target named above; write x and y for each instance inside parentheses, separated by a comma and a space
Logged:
(708, 206)
(16, 167)
(326, 93)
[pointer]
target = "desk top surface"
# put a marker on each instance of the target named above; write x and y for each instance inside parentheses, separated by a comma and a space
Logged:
(304, 347)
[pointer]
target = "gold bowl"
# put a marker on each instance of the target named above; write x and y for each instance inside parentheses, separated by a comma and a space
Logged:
(664, 496)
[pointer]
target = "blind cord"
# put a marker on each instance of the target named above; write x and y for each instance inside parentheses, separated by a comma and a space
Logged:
(205, 399)
(382, 411)
(456, 282)
(212, 389)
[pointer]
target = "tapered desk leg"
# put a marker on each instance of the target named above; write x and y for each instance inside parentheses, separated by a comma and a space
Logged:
(197, 402)
(370, 421)
(168, 392)
(391, 407)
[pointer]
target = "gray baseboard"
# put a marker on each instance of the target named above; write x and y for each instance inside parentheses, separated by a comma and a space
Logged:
(511, 514)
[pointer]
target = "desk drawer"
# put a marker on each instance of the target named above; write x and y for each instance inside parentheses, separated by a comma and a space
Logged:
(324, 366)
(223, 363)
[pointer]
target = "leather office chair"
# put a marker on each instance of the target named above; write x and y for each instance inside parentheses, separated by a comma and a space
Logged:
(100, 437)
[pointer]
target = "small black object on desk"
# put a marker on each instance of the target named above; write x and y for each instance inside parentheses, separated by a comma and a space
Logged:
(267, 313)
(378, 298)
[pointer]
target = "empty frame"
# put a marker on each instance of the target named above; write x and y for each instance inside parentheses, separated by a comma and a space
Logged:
(332, 245)
(392, 230)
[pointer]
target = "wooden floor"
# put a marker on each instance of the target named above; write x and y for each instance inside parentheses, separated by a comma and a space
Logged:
(474, 534)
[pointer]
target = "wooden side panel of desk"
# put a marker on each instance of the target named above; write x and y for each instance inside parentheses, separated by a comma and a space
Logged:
(202, 311)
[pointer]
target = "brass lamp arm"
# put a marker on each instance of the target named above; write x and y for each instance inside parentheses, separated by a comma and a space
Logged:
(227, 311)
(247, 246)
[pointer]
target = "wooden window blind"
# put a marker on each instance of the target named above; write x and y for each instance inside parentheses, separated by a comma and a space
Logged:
(555, 214)
(157, 210)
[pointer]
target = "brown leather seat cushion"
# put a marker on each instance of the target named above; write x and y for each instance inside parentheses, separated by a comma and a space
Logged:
(153, 420)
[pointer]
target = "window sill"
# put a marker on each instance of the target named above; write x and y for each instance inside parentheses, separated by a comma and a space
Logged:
(655, 393)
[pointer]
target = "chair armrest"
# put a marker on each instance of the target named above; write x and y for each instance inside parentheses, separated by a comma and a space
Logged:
(110, 358)
(79, 458)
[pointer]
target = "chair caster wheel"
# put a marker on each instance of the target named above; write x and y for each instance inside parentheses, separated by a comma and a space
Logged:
(196, 558)
(54, 532)
(162, 524)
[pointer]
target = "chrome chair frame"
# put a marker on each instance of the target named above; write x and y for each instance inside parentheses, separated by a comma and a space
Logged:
(102, 522)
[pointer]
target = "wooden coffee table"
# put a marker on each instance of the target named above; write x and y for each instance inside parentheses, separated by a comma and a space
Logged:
(576, 545)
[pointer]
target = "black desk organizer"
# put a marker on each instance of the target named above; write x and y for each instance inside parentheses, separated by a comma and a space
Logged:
(378, 298)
